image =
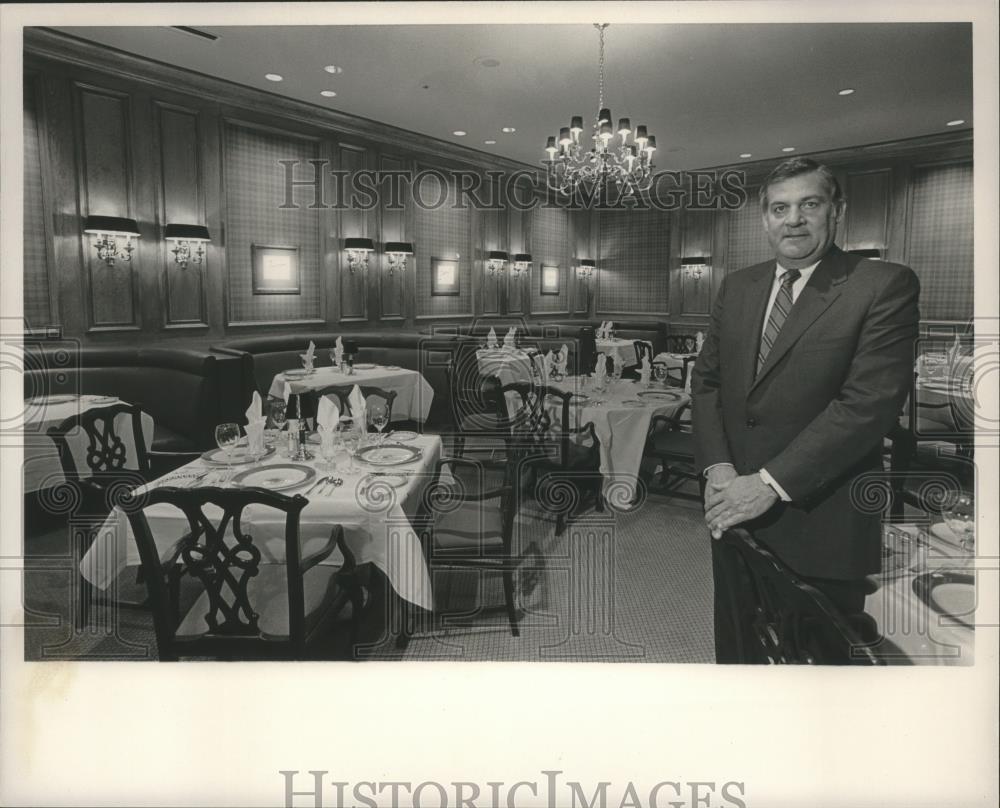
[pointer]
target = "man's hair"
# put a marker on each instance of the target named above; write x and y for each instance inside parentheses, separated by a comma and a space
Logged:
(796, 167)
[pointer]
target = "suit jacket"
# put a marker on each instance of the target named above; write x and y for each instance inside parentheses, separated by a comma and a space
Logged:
(815, 416)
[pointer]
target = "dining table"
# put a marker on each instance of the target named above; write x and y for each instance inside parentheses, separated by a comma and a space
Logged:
(624, 349)
(924, 600)
(621, 414)
(41, 466)
(507, 364)
(414, 395)
(374, 500)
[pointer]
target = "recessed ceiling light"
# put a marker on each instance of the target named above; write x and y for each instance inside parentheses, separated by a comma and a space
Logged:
(486, 61)
(508, 130)
(274, 77)
(745, 155)
(333, 69)
(846, 91)
(490, 142)
(460, 133)
(788, 148)
(328, 93)
(957, 122)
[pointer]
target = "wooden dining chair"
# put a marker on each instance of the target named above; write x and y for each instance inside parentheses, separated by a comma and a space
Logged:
(471, 527)
(780, 618)
(562, 461)
(246, 607)
(108, 471)
(670, 442)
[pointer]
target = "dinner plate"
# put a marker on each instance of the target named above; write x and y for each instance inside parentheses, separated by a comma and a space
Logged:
(393, 367)
(391, 480)
(238, 456)
(276, 477)
(365, 366)
(579, 398)
(296, 374)
(659, 395)
(390, 454)
(948, 593)
(101, 400)
(404, 436)
(632, 402)
(61, 398)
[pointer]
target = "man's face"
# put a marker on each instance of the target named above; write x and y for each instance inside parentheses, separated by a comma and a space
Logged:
(801, 220)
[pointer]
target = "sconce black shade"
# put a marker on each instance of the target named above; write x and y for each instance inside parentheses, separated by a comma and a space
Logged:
(187, 232)
(364, 244)
(111, 225)
(588, 262)
(522, 258)
(497, 255)
(404, 247)
(696, 259)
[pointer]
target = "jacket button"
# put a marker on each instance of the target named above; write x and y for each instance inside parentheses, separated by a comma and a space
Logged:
(751, 423)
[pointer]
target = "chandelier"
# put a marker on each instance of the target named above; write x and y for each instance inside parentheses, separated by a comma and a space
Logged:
(628, 165)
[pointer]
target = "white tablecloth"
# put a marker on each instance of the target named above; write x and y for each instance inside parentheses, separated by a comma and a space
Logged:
(917, 634)
(623, 348)
(507, 365)
(413, 394)
(621, 429)
(376, 526)
(41, 459)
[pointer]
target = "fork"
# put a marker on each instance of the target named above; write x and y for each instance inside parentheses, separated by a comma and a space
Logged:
(316, 484)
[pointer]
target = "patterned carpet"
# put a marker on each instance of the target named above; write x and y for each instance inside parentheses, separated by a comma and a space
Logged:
(615, 587)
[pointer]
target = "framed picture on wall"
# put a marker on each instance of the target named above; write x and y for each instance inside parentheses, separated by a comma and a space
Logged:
(550, 280)
(275, 270)
(444, 277)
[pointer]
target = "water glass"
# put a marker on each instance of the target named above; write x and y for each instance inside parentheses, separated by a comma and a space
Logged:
(960, 518)
(378, 417)
(227, 436)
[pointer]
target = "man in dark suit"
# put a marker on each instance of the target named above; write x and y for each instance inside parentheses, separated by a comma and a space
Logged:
(807, 363)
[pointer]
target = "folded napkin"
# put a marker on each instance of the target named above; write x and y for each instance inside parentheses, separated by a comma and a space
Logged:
(338, 352)
(601, 369)
(619, 364)
(327, 420)
(600, 329)
(699, 340)
(547, 363)
(357, 402)
(561, 359)
(645, 371)
(491, 339)
(309, 356)
(509, 341)
(256, 421)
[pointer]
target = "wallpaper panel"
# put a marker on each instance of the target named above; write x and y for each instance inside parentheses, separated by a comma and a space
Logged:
(748, 243)
(633, 261)
(442, 232)
(36, 276)
(940, 240)
(550, 231)
(254, 184)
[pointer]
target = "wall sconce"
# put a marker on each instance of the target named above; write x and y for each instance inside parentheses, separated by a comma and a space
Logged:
(694, 266)
(586, 268)
(184, 236)
(108, 230)
(397, 252)
(495, 261)
(522, 263)
(357, 252)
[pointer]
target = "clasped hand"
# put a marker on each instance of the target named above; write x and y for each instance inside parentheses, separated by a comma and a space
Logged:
(731, 499)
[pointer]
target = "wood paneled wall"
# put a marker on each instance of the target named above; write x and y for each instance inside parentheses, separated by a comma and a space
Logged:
(115, 135)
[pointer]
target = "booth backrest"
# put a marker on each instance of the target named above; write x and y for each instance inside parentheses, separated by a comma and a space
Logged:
(186, 391)
(655, 331)
(430, 355)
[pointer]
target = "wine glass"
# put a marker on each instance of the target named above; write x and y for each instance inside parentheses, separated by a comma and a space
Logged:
(660, 373)
(378, 417)
(227, 436)
(278, 417)
(959, 517)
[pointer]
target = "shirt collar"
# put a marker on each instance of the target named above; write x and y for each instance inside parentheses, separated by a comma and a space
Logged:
(804, 274)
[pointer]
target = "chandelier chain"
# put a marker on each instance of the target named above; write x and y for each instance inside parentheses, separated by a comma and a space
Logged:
(600, 92)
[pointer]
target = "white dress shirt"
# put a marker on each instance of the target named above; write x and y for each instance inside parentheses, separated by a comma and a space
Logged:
(797, 286)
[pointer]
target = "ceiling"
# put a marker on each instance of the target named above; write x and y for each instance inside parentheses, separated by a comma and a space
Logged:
(709, 92)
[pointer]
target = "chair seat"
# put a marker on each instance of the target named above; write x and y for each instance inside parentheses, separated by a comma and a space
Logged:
(268, 594)
(471, 525)
(166, 440)
(669, 442)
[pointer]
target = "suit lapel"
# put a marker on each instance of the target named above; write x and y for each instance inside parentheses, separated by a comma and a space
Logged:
(816, 297)
(753, 318)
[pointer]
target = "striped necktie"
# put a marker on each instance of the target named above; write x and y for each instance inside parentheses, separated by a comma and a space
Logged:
(779, 313)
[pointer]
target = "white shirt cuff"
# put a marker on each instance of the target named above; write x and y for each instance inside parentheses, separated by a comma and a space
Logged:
(767, 478)
(715, 466)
